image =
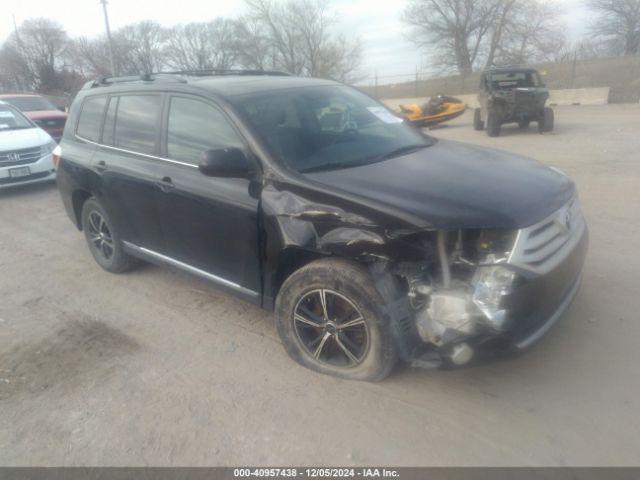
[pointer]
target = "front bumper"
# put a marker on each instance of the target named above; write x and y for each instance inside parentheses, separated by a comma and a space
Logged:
(40, 171)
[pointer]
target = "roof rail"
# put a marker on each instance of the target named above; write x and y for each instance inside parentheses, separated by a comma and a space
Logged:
(176, 76)
(145, 77)
(211, 72)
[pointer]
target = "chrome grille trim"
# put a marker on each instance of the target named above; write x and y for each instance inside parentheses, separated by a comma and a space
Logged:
(20, 157)
(541, 247)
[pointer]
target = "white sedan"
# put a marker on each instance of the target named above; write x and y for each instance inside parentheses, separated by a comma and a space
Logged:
(25, 150)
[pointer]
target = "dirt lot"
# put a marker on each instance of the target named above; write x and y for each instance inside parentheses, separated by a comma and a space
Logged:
(156, 367)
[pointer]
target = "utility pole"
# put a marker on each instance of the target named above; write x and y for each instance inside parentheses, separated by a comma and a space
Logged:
(110, 43)
(15, 29)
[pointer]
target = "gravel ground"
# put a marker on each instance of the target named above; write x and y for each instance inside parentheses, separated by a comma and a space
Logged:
(157, 368)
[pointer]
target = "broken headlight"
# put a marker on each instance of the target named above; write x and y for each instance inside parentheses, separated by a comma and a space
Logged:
(495, 245)
(490, 285)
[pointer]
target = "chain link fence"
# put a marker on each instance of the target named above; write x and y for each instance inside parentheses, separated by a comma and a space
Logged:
(620, 74)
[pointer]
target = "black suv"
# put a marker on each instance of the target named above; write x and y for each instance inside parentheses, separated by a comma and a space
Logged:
(512, 95)
(371, 241)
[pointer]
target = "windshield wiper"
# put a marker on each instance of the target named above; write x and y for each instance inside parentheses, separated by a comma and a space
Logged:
(401, 151)
(393, 153)
(331, 166)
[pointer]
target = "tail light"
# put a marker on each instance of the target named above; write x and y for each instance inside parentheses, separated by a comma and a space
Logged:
(55, 155)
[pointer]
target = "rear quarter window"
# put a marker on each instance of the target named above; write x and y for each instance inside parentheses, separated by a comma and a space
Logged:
(90, 121)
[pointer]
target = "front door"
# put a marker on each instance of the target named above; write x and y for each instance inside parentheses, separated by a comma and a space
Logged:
(210, 224)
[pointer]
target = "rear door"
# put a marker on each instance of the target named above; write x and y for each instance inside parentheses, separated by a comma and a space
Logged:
(126, 159)
(210, 224)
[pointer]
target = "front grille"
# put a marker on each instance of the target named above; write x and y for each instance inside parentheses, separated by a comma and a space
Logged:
(524, 95)
(20, 157)
(542, 247)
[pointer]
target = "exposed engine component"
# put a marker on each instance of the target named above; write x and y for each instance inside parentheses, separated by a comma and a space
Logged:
(461, 354)
(448, 316)
(469, 293)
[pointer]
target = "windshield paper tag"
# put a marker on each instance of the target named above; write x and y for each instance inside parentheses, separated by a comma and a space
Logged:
(385, 115)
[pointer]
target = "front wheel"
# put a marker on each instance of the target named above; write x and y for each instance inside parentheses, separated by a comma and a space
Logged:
(329, 317)
(103, 239)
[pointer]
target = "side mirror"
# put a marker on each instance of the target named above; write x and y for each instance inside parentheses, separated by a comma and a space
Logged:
(225, 162)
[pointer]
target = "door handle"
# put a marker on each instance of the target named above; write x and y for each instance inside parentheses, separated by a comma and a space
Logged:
(165, 184)
(101, 166)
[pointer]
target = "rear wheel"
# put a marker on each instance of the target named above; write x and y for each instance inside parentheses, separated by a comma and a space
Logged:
(329, 317)
(546, 122)
(103, 240)
(493, 124)
(478, 124)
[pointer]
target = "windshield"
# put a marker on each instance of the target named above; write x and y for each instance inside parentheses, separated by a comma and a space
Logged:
(10, 119)
(30, 104)
(515, 79)
(323, 128)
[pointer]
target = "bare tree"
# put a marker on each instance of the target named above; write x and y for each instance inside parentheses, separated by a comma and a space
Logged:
(502, 19)
(298, 37)
(533, 33)
(254, 46)
(201, 46)
(90, 57)
(618, 23)
(140, 47)
(453, 29)
(33, 56)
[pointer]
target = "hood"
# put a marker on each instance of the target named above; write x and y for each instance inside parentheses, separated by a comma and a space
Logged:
(452, 185)
(19, 139)
(45, 114)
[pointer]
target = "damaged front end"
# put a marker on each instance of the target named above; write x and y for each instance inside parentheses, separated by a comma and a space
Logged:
(463, 304)
(449, 294)
(496, 290)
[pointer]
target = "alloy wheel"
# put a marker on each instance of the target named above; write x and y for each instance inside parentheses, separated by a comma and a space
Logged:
(331, 328)
(100, 235)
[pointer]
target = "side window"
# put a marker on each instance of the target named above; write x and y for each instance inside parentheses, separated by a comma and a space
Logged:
(195, 126)
(137, 122)
(90, 120)
(108, 131)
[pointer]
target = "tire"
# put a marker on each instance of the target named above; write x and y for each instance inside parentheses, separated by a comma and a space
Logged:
(493, 124)
(478, 124)
(546, 122)
(103, 240)
(522, 124)
(345, 285)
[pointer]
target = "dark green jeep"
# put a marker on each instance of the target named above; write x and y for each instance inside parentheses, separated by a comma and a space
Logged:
(512, 95)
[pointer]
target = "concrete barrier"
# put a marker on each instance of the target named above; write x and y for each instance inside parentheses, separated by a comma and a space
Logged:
(576, 96)
(580, 96)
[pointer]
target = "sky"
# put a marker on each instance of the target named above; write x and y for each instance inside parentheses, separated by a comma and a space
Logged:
(387, 51)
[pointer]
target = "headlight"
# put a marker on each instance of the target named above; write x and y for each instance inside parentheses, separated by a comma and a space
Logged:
(490, 285)
(47, 148)
(494, 246)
